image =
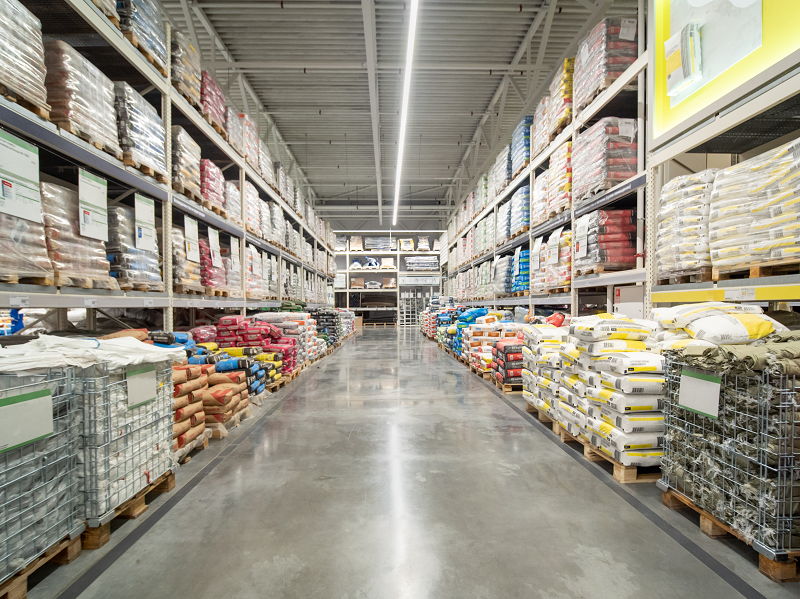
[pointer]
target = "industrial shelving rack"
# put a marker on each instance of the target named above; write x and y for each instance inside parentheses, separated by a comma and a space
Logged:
(419, 283)
(592, 288)
(63, 148)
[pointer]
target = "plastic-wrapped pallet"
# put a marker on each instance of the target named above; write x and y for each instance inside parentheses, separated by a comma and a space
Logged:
(233, 201)
(39, 479)
(540, 130)
(559, 180)
(265, 221)
(250, 141)
(603, 55)
(124, 448)
(265, 165)
(185, 67)
(143, 19)
(185, 273)
(499, 175)
(78, 261)
(79, 94)
(252, 207)
(282, 179)
(210, 275)
(22, 64)
(132, 267)
(212, 183)
(23, 250)
(540, 375)
(503, 275)
(520, 209)
(185, 163)
(539, 199)
(233, 272)
(559, 112)
(753, 209)
(212, 102)
(604, 155)
(682, 244)
(254, 270)
(503, 228)
(141, 130)
(521, 145)
(538, 268)
(274, 271)
(234, 130)
(607, 238)
(559, 259)
(522, 263)
(278, 223)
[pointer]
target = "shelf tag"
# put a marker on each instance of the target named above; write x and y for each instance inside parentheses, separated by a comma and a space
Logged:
(213, 242)
(19, 301)
(93, 205)
(20, 195)
(191, 236)
(627, 30)
(90, 303)
(145, 217)
(699, 392)
(148, 303)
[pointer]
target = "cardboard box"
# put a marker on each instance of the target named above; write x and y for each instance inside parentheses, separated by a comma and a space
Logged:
(389, 283)
(357, 283)
(359, 322)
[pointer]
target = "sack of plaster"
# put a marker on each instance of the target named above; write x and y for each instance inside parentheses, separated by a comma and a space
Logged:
(610, 328)
(624, 403)
(733, 329)
(595, 363)
(611, 346)
(679, 317)
(632, 362)
(644, 384)
(636, 422)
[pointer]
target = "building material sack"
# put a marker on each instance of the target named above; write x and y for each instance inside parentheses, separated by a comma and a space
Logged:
(638, 422)
(216, 396)
(734, 329)
(599, 348)
(610, 328)
(625, 403)
(627, 363)
(184, 388)
(679, 317)
(650, 384)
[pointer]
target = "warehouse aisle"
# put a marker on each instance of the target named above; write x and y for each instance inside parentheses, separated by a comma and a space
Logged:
(390, 471)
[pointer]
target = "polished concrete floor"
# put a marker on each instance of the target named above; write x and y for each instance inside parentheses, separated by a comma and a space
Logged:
(389, 471)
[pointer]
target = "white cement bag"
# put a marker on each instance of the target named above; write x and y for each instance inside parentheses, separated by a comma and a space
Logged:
(574, 384)
(551, 386)
(614, 328)
(595, 363)
(681, 343)
(625, 403)
(570, 414)
(679, 317)
(614, 439)
(589, 378)
(639, 422)
(538, 333)
(733, 329)
(632, 362)
(598, 348)
(651, 384)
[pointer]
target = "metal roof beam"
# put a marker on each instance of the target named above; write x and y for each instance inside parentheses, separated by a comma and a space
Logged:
(491, 68)
(368, 10)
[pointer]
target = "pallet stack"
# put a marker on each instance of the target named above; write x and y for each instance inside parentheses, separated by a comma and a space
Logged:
(190, 383)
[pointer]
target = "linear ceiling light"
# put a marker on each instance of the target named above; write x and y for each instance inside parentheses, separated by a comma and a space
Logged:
(412, 30)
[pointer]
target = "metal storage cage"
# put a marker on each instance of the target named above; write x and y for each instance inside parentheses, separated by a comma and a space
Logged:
(743, 467)
(124, 447)
(38, 480)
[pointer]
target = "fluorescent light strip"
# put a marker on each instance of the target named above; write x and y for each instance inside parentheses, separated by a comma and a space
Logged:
(412, 30)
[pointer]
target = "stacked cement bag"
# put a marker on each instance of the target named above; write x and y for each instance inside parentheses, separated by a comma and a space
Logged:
(476, 341)
(190, 382)
(540, 372)
(540, 133)
(539, 199)
(623, 374)
(185, 67)
(141, 130)
(507, 362)
(250, 141)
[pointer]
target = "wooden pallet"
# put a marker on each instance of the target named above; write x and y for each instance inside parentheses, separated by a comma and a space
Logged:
(180, 188)
(63, 552)
(566, 120)
(60, 280)
(72, 128)
(133, 39)
(128, 160)
(770, 268)
(214, 208)
(599, 269)
(278, 385)
(508, 389)
(516, 234)
(556, 212)
(40, 110)
(606, 83)
(520, 294)
(187, 458)
(622, 474)
(700, 276)
(114, 20)
(14, 279)
(179, 88)
(777, 571)
(382, 325)
(187, 290)
(215, 125)
(96, 537)
(213, 292)
(557, 290)
(520, 169)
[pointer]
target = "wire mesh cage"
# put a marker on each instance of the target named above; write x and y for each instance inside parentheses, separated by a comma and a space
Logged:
(126, 432)
(744, 466)
(38, 479)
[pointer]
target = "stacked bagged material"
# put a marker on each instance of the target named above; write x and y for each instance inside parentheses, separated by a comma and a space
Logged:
(233, 272)
(500, 173)
(265, 220)
(507, 355)
(540, 130)
(125, 447)
(503, 277)
(541, 372)
(421, 262)
(559, 180)
(143, 19)
(190, 384)
(539, 199)
(558, 267)
(682, 236)
(522, 272)
(483, 279)
(184, 272)
(185, 163)
(210, 275)
(212, 183)
(22, 58)
(476, 336)
(23, 250)
(610, 240)
(80, 95)
(141, 130)
(252, 207)
(133, 268)
(254, 270)
(250, 141)
(559, 111)
(423, 245)
(227, 394)
(521, 145)
(603, 55)
(520, 209)
(484, 234)
(341, 243)
(463, 340)
(377, 244)
(503, 229)
(234, 130)
(233, 201)
(753, 215)
(212, 102)
(624, 384)
(605, 155)
(539, 268)
(185, 67)
(77, 261)
(265, 165)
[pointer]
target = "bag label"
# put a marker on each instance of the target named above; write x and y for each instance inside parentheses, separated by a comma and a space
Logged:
(699, 392)
(25, 418)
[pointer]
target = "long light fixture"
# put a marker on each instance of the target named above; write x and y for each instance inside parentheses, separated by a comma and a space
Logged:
(412, 30)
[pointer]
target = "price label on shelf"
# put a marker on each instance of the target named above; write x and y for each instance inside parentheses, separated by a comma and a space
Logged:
(19, 301)
(213, 242)
(145, 220)
(582, 236)
(537, 248)
(191, 237)
(627, 30)
(93, 205)
(235, 249)
(148, 303)
(19, 179)
(90, 303)
(747, 294)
